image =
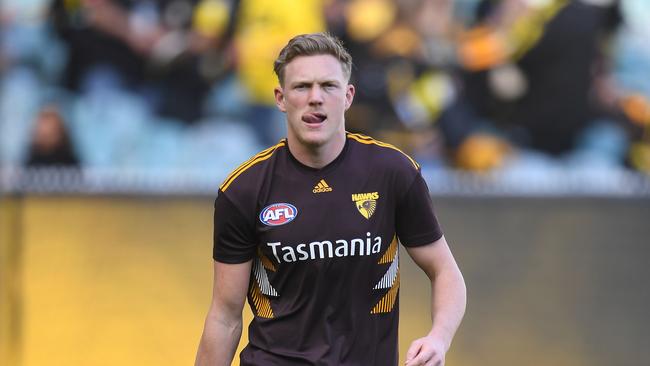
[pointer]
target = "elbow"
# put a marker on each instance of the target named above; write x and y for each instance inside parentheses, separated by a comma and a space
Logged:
(224, 318)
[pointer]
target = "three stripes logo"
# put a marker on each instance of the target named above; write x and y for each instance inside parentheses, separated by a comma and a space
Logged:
(322, 187)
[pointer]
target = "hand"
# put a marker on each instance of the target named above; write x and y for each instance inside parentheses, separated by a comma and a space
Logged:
(426, 351)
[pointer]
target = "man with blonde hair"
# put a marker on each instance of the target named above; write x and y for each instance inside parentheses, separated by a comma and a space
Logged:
(309, 230)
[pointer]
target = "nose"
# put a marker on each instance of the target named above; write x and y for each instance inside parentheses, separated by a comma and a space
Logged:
(315, 95)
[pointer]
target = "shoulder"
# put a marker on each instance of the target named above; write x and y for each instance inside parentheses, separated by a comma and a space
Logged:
(379, 154)
(248, 175)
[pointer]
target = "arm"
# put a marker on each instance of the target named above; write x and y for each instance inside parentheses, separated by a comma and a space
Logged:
(223, 324)
(448, 302)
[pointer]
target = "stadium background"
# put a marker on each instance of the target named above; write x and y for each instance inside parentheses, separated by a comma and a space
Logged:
(124, 280)
(108, 260)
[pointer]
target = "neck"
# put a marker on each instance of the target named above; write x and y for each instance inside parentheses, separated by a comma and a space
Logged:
(316, 156)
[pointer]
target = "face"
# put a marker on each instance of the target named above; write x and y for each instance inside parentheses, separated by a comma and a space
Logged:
(315, 96)
(49, 132)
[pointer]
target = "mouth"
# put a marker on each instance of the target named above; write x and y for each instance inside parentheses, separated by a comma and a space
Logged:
(314, 118)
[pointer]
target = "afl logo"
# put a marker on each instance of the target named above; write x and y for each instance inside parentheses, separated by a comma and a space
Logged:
(278, 214)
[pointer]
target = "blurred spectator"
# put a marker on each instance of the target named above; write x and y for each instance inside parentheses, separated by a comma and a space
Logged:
(628, 89)
(51, 144)
(477, 84)
(530, 79)
(168, 51)
(262, 28)
(30, 61)
(403, 48)
(360, 24)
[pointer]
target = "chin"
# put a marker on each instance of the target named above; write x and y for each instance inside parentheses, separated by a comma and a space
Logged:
(312, 141)
(314, 137)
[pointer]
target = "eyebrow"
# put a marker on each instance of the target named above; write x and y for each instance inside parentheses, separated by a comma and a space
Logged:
(310, 82)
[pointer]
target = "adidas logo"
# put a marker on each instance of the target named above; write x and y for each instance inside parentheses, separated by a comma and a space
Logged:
(322, 187)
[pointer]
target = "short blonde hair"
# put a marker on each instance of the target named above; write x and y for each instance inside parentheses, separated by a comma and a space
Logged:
(310, 45)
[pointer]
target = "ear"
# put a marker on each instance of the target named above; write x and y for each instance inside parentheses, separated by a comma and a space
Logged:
(349, 96)
(279, 99)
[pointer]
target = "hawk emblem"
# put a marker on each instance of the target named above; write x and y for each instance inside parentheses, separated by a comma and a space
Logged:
(366, 203)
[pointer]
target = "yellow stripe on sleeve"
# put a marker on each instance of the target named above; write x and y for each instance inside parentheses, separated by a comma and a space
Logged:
(261, 156)
(369, 140)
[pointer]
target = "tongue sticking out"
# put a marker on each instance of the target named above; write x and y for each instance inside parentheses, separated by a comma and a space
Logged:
(313, 117)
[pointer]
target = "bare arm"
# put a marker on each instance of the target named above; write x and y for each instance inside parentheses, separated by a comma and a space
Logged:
(223, 324)
(448, 303)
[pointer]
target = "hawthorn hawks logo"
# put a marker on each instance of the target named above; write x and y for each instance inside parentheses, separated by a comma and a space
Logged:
(366, 203)
(278, 214)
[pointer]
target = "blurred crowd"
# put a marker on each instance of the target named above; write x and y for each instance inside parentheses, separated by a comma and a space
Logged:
(478, 85)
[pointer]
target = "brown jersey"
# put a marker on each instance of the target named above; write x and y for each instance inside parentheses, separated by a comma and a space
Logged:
(324, 244)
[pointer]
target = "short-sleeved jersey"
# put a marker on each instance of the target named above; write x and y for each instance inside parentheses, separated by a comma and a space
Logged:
(324, 244)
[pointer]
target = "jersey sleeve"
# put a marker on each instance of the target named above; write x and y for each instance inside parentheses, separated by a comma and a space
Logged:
(416, 222)
(234, 234)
